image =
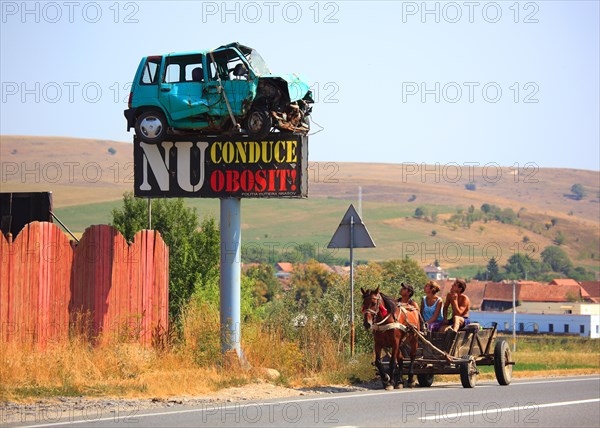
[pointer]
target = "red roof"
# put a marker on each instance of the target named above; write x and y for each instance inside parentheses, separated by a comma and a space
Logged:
(500, 291)
(284, 267)
(475, 290)
(591, 290)
(565, 281)
(550, 293)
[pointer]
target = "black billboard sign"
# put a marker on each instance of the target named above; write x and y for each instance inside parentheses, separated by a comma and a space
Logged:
(222, 167)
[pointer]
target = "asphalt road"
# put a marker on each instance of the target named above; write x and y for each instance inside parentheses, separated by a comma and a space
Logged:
(540, 402)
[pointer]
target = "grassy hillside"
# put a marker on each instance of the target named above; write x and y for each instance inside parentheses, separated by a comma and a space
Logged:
(88, 177)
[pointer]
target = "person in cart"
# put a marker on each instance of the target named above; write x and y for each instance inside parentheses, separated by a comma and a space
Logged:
(460, 304)
(406, 293)
(431, 306)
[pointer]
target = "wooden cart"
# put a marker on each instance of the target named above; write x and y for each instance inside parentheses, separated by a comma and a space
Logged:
(472, 347)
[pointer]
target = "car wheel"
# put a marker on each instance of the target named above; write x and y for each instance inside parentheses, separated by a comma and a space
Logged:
(151, 127)
(259, 123)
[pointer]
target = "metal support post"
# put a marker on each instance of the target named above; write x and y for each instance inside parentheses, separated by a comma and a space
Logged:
(352, 286)
(230, 286)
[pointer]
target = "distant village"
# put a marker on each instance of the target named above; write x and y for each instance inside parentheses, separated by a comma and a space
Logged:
(560, 307)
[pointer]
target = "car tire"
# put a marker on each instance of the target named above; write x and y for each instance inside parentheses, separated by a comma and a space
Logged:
(259, 123)
(151, 126)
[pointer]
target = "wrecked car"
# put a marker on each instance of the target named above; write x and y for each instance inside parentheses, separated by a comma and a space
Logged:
(225, 90)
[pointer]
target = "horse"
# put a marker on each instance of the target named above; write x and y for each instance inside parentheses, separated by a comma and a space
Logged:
(391, 325)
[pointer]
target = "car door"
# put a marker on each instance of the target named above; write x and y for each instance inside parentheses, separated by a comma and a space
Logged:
(239, 89)
(182, 87)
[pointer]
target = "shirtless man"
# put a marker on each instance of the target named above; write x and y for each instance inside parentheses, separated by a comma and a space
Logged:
(460, 305)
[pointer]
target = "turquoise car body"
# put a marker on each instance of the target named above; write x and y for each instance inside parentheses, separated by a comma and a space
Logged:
(193, 100)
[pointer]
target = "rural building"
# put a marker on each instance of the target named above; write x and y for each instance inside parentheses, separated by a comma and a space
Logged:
(590, 291)
(563, 281)
(435, 272)
(284, 270)
(586, 325)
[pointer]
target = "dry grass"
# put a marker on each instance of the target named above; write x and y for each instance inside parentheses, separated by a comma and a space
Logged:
(192, 364)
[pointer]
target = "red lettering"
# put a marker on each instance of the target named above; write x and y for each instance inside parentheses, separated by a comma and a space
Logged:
(232, 179)
(282, 176)
(247, 181)
(271, 180)
(261, 180)
(217, 181)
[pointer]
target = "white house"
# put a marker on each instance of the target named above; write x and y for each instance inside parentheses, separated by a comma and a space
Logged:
(435, 272)
(587, 325)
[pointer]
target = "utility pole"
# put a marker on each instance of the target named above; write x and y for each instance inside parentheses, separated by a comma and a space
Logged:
(514, 332)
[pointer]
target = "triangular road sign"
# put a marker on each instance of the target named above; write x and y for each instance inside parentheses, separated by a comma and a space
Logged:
(341, 237)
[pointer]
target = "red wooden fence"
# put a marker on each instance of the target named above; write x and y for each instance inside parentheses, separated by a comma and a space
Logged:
(50, 287)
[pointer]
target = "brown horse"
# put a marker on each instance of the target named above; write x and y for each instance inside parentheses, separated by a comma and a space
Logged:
(391, 326)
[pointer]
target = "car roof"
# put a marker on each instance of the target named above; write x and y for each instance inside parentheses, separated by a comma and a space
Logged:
(244, 49)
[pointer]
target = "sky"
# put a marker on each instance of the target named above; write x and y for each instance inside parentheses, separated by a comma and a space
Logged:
(465, 82)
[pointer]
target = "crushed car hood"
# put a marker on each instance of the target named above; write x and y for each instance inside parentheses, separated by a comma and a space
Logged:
(297, 87)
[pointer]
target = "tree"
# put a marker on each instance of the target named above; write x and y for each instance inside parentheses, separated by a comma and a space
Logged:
(521, 266)
(405, 271)
(493, 272)
(580, 274)
(193, 247)
(421, 212)
(557, 259)
(311, 280)
(559, 239)
(266, 286)
(579, 191)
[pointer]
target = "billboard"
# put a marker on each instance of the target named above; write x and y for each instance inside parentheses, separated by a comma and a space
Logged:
(223, 167)
(19, 208)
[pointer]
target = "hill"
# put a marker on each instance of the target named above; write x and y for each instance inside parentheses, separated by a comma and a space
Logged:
(88, 178)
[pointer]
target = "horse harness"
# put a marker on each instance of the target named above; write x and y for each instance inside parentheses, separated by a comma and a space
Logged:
(379, 326)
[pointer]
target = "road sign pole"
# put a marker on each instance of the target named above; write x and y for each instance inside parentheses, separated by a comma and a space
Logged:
(351, 233)
(230, 287)
(352, 285)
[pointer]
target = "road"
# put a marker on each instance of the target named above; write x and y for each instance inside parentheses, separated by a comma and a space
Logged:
(539, 402)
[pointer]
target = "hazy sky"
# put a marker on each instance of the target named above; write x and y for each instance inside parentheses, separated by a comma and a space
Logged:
(469, 81)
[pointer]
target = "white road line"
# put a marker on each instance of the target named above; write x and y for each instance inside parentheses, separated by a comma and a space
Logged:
(556, 381)
(505, 409)
(330, 397)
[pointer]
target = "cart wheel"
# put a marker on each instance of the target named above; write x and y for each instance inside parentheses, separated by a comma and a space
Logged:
(425, 380)
(468, 373)
(502, 356)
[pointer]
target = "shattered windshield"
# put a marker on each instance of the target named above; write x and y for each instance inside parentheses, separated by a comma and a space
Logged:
(257, 63)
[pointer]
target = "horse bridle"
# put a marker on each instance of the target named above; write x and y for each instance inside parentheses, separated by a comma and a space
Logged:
(375, 313)
(371, 311)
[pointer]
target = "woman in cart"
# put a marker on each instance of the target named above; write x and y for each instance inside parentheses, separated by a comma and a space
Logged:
(431, 306)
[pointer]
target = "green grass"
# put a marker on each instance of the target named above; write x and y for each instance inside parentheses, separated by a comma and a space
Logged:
(284, 224)
(275, 226)
(545, 343)
(468, 271)
(78, 218)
